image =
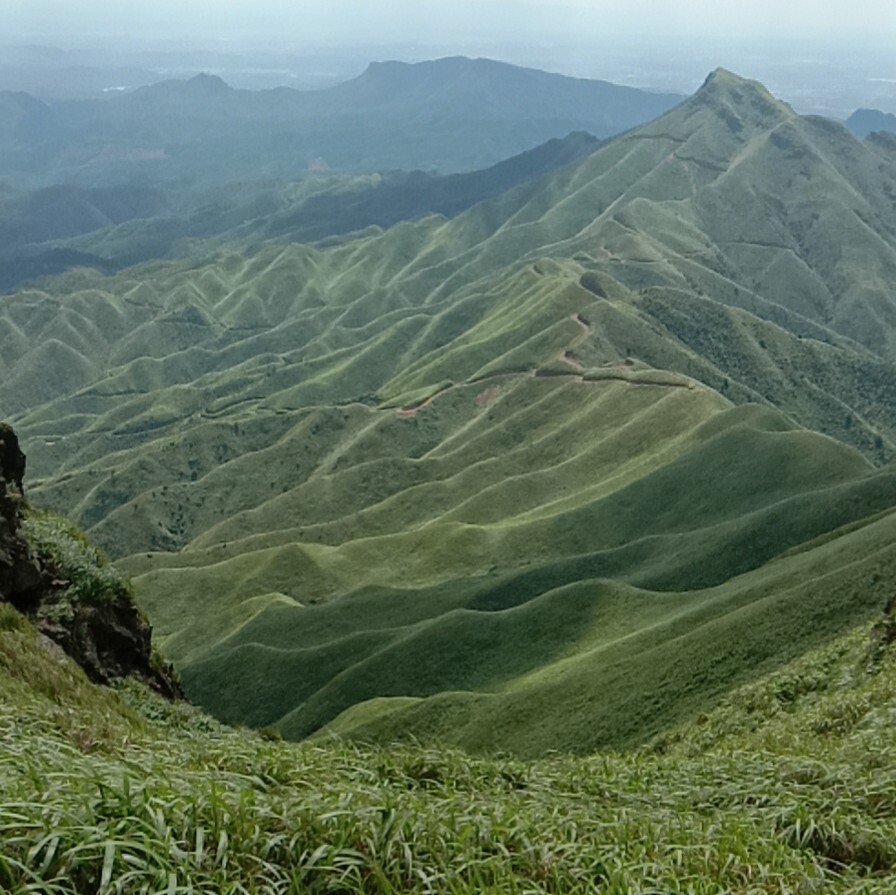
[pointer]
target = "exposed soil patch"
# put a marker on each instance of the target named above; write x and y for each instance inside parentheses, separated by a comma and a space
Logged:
(486, 396)
(416, 408)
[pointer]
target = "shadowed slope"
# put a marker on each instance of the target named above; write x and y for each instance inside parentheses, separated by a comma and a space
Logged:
(681, 528)
(641, 661)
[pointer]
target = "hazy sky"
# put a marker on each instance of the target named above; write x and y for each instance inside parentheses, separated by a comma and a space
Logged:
(430, 20)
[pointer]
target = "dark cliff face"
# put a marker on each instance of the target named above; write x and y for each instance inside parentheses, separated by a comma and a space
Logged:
(22, 580)
(110, 641)
(108, 637)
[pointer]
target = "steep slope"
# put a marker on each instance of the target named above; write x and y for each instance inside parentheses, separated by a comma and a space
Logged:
(49, 572)
(401, 196)
(36, 227)
(61, 212)
(491, 468)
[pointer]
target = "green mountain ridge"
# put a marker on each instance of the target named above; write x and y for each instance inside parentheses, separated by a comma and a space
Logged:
(555, 473)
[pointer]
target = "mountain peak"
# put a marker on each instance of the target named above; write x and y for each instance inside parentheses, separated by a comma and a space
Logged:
(862, 122)
(200, 87)
(206, 83)
(394, 70)
(721, 76)
(723, 88)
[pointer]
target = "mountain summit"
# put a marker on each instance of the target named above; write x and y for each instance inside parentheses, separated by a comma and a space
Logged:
(723, 86)
(207, 84)
(199, 87)
(488, 89)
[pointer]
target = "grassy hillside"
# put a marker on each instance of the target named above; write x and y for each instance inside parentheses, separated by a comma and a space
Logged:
(786, 787)
(48, 231)
(596, 449)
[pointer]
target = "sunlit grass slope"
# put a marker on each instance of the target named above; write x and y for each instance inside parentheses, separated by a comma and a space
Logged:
(464, 479)
(787, 787)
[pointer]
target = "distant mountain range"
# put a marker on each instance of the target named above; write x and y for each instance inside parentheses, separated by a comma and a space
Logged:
(554, 472)
(109, 183)
(450, 115)
(863, 122)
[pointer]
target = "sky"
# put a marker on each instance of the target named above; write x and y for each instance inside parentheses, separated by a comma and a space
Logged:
(336, 21)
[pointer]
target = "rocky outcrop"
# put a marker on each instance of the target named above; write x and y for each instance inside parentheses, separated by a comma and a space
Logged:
(22, 580)
(108, 637)
(111, 640)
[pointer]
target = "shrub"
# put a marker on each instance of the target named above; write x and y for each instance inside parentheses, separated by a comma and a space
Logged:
(86, 572)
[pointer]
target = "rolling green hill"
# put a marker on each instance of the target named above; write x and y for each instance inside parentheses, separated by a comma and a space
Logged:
(555, 473)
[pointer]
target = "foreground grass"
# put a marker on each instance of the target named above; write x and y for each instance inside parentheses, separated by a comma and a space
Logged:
(788, 787)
